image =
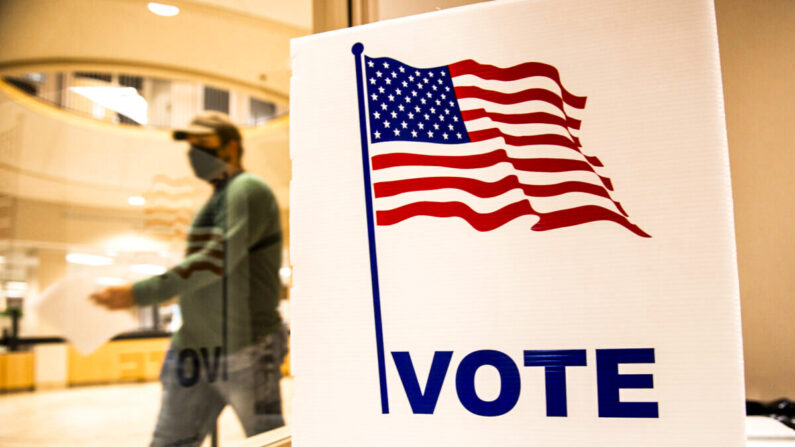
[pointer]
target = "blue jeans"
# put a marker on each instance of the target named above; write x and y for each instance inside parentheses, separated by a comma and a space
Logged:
(195, 391)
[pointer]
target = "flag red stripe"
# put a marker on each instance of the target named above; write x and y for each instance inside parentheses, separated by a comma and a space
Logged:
(477, 161)
(522, 118)
(533, 94)
(484, 190)
(514, 98)
(525, 118)
(496, 219)
(521, 71)
(529, 140)
(581, 215)
(522, 140)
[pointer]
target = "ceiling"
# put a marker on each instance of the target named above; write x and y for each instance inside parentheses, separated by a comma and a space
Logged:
(297, 13)
(237, 44)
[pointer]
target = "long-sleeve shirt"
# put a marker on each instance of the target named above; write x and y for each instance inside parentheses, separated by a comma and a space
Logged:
(239, 228)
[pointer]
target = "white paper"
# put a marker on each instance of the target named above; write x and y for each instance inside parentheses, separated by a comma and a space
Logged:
(65, 306)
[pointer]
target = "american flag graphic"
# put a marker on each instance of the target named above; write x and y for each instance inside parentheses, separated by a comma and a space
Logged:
(488, 145)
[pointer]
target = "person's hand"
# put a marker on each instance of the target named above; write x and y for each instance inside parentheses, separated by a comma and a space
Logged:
(114, 297)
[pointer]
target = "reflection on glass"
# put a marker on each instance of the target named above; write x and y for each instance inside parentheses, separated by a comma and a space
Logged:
(119, 208)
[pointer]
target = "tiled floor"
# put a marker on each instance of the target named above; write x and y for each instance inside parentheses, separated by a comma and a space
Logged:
(100, 416)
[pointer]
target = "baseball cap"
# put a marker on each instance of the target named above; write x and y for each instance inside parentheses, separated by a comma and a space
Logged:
(207, 123)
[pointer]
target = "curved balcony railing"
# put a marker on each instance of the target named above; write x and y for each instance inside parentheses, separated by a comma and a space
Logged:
(142, 101)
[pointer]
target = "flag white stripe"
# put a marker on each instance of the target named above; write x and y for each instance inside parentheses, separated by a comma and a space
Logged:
(489, 174)
(480, 147)
(518, 85)
(518, 129)
(487, 205)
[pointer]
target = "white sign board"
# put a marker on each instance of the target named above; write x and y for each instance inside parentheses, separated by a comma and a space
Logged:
(511, 224)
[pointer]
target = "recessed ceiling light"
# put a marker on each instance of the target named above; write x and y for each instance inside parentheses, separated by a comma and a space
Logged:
(163, 10)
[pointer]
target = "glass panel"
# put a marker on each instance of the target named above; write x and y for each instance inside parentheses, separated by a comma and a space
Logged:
(95, 194)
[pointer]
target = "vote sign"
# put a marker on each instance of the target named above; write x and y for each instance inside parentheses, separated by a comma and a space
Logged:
(512, 222)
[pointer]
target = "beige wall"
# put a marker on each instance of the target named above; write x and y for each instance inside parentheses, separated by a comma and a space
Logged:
(756, 43)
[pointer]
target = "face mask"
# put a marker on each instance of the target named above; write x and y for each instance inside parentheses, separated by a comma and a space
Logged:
(205, 164)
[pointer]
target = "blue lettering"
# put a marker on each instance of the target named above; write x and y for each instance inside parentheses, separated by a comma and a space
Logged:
(422, 402)
(509, 380)
(610, 381)
(555, 363)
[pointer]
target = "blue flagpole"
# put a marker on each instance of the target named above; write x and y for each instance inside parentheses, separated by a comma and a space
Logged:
(357, 50)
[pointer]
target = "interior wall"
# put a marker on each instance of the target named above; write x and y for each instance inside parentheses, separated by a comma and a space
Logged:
(756, 44)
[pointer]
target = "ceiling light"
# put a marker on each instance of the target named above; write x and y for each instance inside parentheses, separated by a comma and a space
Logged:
(163, 10)
(136, 201)
(86, 259)
(148, 269)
